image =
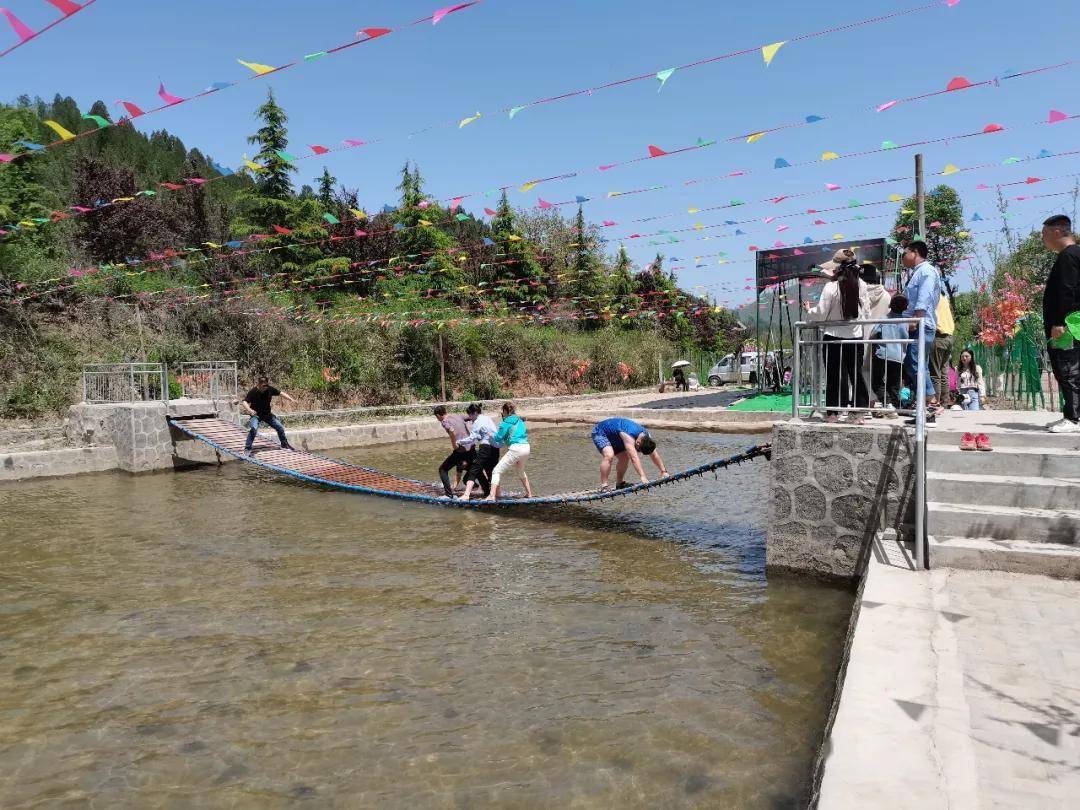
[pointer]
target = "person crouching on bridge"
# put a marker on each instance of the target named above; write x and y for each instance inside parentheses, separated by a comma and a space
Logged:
(623, 439)
(487, 453)
(513, 436)
(461, 447)
(257, 403)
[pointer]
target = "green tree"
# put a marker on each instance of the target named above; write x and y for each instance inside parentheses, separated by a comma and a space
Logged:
(587, 281)
(273, 139)
(516, 273)
(621, 285)
(948, 240)
(326, 188)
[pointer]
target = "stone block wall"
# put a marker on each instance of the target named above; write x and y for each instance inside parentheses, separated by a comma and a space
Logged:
(834, 487)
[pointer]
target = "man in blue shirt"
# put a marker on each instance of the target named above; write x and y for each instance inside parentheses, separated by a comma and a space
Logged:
(923, 291)
(622, 439)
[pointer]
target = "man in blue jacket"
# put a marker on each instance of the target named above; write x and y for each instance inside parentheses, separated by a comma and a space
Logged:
(922, 292)
(622, 439)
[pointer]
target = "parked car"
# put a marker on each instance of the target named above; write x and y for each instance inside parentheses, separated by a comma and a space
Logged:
(724, 371)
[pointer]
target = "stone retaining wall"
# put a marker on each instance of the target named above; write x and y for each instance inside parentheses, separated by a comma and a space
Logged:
(834, 487)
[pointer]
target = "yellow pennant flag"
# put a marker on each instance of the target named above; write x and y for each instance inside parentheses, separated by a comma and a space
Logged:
(906, 211)
(757, 136)
(424, 223)
(769, 51)
(358, 213)
(255, 66)
(255, 167)
(64, 134)
(513, 238)
(122, 199)
(950, 169)
(469, 120)
(837, 236)
(895, 198)
(692, 210)
(527, 187)
(698, 226)
(829, 156)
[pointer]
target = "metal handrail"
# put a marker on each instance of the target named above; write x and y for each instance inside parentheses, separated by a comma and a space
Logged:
(124, 382)
(919, 410)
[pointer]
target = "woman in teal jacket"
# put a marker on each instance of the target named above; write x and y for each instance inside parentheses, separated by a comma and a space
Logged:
(513, 436)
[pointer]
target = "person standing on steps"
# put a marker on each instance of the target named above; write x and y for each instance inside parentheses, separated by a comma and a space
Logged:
(923, 292)
(461, 447)
(621, 439)
(1061, 298)
(257, 404)
(941, 353)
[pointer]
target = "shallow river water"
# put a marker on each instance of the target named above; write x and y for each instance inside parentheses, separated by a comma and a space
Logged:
(221, 638)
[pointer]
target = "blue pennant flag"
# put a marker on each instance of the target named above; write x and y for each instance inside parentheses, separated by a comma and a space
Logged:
(976, 217)
(813, 119)
(36, 147)
(739, 233)
(580, 199)
(225, 170)
(780, 163)
(388, 209)
(1044, 153)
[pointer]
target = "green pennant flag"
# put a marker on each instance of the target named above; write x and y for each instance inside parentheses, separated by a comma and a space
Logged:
(331, 219)
(97, 119)
(281, 153)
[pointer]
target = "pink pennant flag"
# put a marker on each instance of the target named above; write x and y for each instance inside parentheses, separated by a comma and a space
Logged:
(491, 213)
(798, 253)
(982, 187)
(456, 203)
(6, 158)
(543, 203)
(778, 243)
(951, 3)
(958, 83)
(352, 142)
(656, 151)
(171, 186)
(436, 18)
(374, 33)
(132, 109)
(318, 150)
(359, 232)
(196, 181)
(81, 209)
(605, 168)
(993, 128)
(819, 222)
(934, 224)
(166, 96)
(65, 7)
(769, 219)
(776, 200)
(1032, 180)
(1056, 116)
(781, 228)
(21, 31)
(887, 105)
(608, 223)
(832, 186)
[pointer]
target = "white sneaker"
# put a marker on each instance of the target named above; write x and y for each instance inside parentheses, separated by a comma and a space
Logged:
(1065, 426)
(1055, 424)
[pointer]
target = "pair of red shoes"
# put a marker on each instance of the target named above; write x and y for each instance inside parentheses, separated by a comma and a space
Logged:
(973, 441)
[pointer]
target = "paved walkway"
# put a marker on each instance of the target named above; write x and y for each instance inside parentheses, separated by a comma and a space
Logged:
(962, 691)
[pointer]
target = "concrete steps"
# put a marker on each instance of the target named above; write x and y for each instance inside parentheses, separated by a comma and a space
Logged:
(1027, 492)
(1015, 509)
(1015, 556)
(1027, 462)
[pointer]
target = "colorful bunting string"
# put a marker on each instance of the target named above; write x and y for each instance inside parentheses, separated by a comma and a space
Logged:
(65, 7)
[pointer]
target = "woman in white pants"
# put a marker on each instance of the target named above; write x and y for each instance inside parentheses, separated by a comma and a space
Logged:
(513, 436)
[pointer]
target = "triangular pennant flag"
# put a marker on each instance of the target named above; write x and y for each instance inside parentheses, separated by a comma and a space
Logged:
(886, 106)
(65, 7)
(656, 151)
(829, 156)
(813, 119)
(469, 120)
(580, 199)
(1056, 116)
(359, 213)
(950, 169)
(832, 187)
(462, 218)
(488, 241)
(97, 119)
(423, 223)
(768, 52)
(1044, 153)
(780, 163)
(1010, 160)
(218, 86)
(318, 150)
(491, 213)
(976, 218)
(281, 230)
(544, 204)
(993, 128)
(132, 109)
(888, 144)
(21, 31)
(757, 136)
(257, 68)
(895, 198)
(255, 167)
(692, 210)
(514, 111)
(373, 33)
(455, 203)
(222, 170)
(1033, 180)
(663, 76)
(166, 96)
(958, 83)
(64, 134)
(528, 187)
(436, 18)
(281, 153)
(317, 55)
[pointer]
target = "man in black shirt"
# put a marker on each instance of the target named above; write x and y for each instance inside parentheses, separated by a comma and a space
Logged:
(1061, 298)
(257, 403)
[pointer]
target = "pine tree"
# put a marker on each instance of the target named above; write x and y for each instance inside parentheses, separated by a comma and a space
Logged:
(621, 285)
(326, 188)
(517, 272)
(587, 281)
(272, 139)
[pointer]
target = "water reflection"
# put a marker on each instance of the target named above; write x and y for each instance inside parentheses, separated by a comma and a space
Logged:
(214, 638)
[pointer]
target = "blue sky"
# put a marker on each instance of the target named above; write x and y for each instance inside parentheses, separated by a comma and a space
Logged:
(509, 52)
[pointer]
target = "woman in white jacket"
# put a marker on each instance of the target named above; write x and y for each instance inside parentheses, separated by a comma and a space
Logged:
(845, 298)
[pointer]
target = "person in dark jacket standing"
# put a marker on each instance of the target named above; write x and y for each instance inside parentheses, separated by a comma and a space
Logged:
(1061, 298)
(257, 405)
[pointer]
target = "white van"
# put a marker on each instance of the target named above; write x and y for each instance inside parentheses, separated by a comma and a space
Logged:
(724, 371)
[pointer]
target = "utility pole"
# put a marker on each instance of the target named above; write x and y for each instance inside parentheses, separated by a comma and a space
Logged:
(442, 368)
(920, 199)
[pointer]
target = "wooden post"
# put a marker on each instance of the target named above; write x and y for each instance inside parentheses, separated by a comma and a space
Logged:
(920, 199)
(442, 368)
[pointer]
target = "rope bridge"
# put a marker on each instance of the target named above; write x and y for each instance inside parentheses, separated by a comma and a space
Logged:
(228, 438)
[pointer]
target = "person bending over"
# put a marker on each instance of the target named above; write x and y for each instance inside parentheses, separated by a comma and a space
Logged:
(461, 447)
(623, 439)
(487, 452)
(512, 435)
(257, 404)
